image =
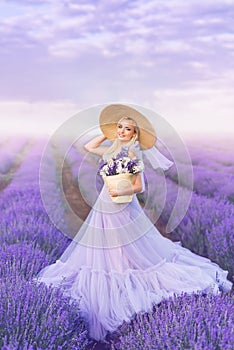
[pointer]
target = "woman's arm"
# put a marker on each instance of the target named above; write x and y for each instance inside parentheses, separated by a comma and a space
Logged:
(93, 146)
(135, 188)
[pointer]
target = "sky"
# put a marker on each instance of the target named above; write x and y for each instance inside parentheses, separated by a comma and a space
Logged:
(175, 57)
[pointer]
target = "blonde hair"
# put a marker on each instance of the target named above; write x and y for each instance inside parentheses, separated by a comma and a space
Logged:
(115, 148)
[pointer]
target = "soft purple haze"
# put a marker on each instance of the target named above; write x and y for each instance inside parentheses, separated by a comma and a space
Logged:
(175, 57)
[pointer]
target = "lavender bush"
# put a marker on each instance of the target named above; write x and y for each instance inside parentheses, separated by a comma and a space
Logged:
(24, 219)
(220, 246)
(23, 258)
(202, 216)
(184, 322)
(38, 316)
(32, 315)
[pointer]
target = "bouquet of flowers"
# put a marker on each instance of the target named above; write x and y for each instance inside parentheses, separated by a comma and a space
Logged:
(119, 172)
(123, 165)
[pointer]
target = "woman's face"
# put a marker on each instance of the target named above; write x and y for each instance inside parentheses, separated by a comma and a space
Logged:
(125, 130)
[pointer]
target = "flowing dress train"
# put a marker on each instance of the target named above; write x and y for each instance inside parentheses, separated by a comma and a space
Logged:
(119, 264)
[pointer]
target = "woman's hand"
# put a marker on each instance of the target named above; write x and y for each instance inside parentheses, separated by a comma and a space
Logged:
(113, 192)
(121, 192)
(135, 188)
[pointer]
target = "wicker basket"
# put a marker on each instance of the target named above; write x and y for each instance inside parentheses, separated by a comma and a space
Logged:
(120, 181)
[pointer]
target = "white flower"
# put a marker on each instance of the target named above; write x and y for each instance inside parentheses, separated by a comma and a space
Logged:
(126, 160)
(104, 170)
(119, 167)
(110, 162)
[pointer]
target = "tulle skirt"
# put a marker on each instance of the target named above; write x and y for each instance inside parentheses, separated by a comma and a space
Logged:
(119, 264)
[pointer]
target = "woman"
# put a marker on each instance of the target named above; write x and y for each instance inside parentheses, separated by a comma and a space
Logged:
(127, 134)
(118, 263)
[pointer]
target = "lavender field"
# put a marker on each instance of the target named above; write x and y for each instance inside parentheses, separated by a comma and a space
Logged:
(33, 316)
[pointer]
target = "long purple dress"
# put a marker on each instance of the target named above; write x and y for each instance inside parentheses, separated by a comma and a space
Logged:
(119, 264)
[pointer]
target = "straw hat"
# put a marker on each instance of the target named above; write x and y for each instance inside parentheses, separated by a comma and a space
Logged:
(110, 116)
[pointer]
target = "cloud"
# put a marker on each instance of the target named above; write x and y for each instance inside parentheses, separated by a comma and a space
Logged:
(115, 27)
(90, 52)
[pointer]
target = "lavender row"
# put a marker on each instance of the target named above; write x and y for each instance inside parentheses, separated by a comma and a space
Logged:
(207, 228)
(23, 215)
(10, 153)
(216, 155)
(208, 182)
(213, 167)
(33, 315)
(184, 322)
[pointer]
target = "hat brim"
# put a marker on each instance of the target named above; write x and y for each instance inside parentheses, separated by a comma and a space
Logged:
(110, 116)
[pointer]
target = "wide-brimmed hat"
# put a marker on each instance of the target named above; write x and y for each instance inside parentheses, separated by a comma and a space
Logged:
(110, 116)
